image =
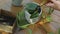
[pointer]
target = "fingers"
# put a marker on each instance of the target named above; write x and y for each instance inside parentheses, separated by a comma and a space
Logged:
(50, 5)
(55, 1)
(54, 4)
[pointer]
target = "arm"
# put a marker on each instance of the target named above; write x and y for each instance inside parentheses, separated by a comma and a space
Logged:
(55, 4)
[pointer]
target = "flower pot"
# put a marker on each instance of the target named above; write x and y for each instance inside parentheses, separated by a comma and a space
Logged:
(17, 2)
(23, 17)
(27, 14)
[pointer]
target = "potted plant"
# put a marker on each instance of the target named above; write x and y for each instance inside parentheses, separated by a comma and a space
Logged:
(17, 2)
(29, 15)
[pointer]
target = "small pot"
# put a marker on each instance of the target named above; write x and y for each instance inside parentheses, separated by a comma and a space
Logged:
(17, 2)
(33, 20)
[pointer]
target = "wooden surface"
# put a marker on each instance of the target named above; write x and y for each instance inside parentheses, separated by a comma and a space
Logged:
(7, 5)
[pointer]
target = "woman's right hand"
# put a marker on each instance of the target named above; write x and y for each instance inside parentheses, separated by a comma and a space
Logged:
(54, 4)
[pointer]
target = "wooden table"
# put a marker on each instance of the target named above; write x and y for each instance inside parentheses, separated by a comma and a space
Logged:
(7, 5)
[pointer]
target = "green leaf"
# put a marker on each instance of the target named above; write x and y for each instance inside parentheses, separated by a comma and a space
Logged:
(31, 11)
(21, 21)
(31, 6)
(29, 31)
(34, 15)
(48, 18)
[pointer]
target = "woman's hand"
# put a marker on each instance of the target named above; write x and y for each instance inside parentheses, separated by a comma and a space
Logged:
(54, 4)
